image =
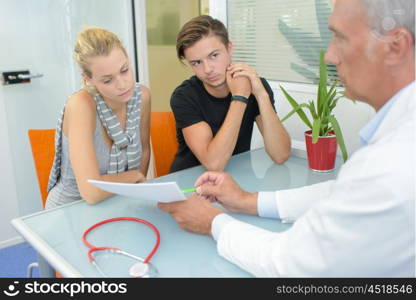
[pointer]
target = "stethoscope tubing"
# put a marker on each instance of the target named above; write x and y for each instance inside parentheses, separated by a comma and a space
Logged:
(93, 249)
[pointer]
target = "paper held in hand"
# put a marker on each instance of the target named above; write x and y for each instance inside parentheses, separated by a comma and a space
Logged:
(156, 192)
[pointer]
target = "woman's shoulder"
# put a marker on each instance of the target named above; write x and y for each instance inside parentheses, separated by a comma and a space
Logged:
(144, 89)
(81, 102)
(145, 93)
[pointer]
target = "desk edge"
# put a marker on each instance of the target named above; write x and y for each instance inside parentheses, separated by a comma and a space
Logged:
(57, 261)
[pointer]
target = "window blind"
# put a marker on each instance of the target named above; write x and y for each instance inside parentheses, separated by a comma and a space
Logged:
(281, 39)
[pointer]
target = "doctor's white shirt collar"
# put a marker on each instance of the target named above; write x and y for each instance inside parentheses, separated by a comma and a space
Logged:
(367, 132)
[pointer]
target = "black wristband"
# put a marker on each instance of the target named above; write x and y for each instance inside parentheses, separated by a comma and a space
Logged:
(240, 98)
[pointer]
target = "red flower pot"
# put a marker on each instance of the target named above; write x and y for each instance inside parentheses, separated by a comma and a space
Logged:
(322, 154)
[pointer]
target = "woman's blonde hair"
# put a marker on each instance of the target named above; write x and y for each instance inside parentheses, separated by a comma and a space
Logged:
(94, 41)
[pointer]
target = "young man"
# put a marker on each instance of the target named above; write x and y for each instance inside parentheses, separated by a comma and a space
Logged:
(363, 223)
(215, 110)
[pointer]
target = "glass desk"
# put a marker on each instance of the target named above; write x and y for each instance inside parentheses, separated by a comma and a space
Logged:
(56, 233)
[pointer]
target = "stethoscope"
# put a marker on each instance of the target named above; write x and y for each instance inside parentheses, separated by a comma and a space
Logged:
(142, 268)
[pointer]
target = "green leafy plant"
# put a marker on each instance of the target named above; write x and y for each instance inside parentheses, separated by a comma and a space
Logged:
(323, 120)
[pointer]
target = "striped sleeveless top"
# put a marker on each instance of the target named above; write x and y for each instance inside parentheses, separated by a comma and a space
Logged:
(125, 153)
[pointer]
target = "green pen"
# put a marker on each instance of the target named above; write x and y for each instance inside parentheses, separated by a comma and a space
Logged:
(190, 190)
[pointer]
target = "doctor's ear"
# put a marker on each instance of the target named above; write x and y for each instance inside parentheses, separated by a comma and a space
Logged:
(400, 46)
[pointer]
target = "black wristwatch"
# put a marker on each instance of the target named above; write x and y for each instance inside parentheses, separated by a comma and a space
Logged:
(239, 98)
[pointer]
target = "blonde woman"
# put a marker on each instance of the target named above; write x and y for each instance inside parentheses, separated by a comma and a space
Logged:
(103, 132)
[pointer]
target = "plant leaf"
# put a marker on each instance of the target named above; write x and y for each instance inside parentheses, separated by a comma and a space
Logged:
(322, 87)
(315, 130)
(293, 111)
(340, 138)
(333, 87)
(295, 105)
(325, 127)
(313, 110)
(330, 97)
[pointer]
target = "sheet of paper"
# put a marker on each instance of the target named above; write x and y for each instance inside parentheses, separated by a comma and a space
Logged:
(157, 192)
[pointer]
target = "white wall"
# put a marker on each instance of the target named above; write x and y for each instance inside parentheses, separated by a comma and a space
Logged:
(8, 195)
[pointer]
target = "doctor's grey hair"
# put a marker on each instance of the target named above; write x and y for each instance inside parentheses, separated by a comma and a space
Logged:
(386, 15)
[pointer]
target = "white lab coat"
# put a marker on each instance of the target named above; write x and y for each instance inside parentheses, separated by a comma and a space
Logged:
(360, 225)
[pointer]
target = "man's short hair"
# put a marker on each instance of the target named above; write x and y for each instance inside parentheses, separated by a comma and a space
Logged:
(198, 28)
(386, 15)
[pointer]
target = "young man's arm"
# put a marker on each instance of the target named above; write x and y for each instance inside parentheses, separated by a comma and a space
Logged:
(214, 151)
(276, 138)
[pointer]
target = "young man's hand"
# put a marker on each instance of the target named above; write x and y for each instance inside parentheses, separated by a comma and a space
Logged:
(242, 70)
(239, 85)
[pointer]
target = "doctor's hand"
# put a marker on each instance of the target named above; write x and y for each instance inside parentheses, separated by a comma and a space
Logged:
(223, 188)
(195, 214)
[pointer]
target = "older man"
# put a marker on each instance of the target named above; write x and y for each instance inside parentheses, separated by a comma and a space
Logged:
(362, 223)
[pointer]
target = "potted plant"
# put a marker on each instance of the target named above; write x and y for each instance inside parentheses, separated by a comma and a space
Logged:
(324, 131)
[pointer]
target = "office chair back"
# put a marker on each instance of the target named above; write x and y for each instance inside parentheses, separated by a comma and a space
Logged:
(164, 143)
(42, 142)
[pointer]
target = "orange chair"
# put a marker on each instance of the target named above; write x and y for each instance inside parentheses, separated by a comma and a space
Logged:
(164, 143)
(42, 142)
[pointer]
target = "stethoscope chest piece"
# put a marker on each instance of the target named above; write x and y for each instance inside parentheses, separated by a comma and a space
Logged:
(140, 269)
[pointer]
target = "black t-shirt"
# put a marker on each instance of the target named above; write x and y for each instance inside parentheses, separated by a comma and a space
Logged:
(191, 103)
